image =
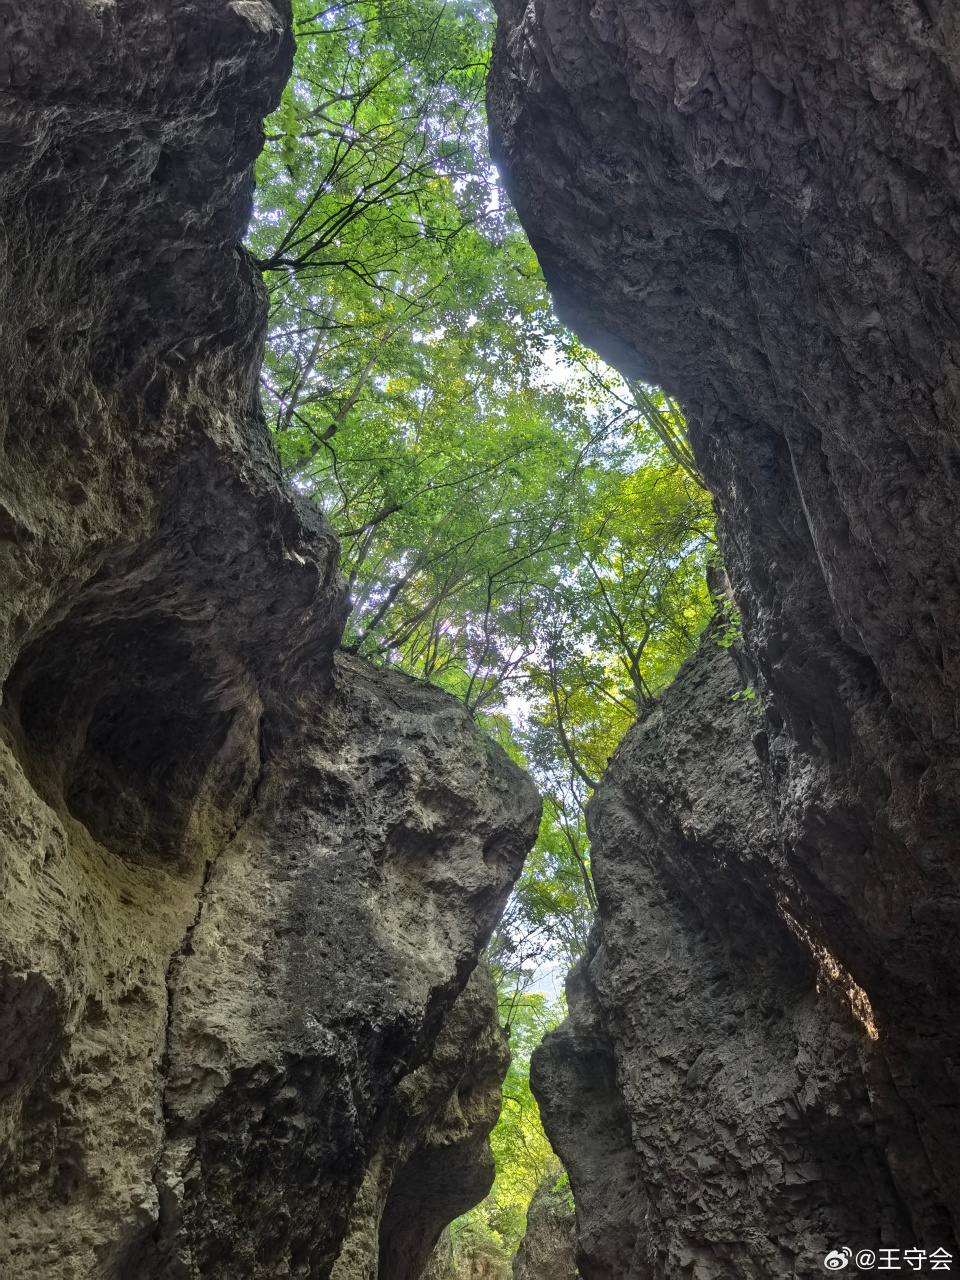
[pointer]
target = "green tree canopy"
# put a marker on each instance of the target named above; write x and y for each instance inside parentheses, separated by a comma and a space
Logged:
(515, 519)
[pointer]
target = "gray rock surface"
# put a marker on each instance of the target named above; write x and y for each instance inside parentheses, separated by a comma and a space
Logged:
(548, 1250)
(244, 881)
(335, 933)
(432, 1161)
(440, 1264)
(717, 1092)
(756, 206)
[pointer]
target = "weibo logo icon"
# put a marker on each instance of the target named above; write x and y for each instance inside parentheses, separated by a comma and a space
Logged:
(837, 1259)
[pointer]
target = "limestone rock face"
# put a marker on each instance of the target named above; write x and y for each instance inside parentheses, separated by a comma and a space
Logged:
(440, 1265)
(756, 206)
(433, 1159)
(549, 1247)
(574, 1076)
(334, 935)
(244, 880)
(717, 1091)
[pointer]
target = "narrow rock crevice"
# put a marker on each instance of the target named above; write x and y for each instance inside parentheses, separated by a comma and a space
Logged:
(756, 207)
(165, 1223)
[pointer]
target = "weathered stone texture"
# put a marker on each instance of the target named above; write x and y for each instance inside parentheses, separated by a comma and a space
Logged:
(449, 1167)
(440, 1265)
(243, 880)
(335, 933)
(548, 1250)
(756, 206)
(722, 1107)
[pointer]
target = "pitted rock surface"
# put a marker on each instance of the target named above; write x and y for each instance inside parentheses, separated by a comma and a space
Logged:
(717, 1093)
(756, 206)
(548, 1250)
(451, 1167)
(244, 880)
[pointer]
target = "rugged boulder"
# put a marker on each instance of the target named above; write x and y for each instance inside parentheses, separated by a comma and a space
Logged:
(548, 1250)
(440, 1265)
(756, 206)
(433, 1161)
(245, 880)
(718, 1092)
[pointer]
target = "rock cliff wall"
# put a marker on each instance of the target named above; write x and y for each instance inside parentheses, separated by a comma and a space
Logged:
(433, 1161)
(755, 205)
(718, 1093)
(244, 880)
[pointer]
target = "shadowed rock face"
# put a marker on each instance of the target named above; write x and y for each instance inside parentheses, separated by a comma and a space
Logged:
(440, 1265)
(757, 207)
(451, 1168)
(548, 1250)
(244, 879)
(719, 1101)
(335, 933)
